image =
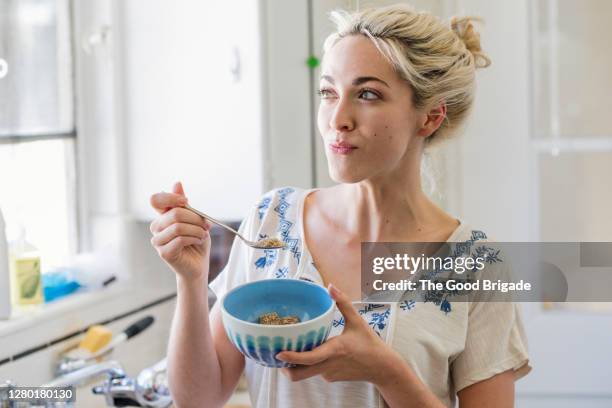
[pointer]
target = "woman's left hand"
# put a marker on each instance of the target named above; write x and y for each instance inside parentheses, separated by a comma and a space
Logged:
(358, 354)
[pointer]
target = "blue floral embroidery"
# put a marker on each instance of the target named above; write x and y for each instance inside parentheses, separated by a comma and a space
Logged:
(284, 192)
(445, 306)
(371, 306)
(407, 305)
(285, 226)
(338, 322)
(462, 248)
(489, 254)
(441, 297)
(281, 272)
(378, 321)
(268, 258)
(477, 235)
(292, 244)
(263, 206)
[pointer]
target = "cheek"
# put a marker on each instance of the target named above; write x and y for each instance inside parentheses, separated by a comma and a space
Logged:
(389, 137)
(388, 144)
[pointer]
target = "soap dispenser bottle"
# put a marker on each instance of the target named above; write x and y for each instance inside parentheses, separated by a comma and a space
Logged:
(5, 288)
(24, 265)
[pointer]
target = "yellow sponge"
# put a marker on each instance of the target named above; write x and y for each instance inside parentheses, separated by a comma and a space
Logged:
(96, 338)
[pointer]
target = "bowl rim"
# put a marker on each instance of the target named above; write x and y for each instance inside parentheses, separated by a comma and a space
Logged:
(329, 310)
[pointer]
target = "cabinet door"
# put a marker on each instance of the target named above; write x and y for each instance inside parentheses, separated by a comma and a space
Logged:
(192, 108)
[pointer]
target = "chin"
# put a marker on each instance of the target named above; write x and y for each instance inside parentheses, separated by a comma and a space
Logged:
(345, 176)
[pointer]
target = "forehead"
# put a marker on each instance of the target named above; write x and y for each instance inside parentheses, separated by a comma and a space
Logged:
(356, 56)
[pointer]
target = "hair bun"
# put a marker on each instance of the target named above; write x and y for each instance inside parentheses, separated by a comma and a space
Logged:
(463, 27)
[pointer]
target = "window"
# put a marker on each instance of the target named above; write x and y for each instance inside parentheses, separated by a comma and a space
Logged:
(37, 132)
(571, 130)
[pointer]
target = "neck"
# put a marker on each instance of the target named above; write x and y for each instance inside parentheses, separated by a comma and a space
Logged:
(384, 212)
(389, 206)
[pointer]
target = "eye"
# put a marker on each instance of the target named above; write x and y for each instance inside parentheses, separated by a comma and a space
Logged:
(369, 95)
(325, 93)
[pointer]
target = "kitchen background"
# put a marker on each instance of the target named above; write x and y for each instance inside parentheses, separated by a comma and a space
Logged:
(104, 102)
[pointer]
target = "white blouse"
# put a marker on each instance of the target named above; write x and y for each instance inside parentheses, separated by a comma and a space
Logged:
(448, 345)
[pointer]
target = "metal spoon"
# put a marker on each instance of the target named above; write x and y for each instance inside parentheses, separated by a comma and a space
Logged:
(265, 243)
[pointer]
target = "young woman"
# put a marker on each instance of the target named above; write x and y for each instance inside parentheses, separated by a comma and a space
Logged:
(393, 82)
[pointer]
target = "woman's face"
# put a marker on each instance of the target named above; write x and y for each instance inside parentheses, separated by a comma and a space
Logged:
(366, 116)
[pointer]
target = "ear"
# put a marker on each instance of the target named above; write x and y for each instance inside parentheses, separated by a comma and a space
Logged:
(432, 120)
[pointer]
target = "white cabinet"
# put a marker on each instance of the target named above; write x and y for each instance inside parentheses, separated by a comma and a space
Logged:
(193, 103)
(215, 94)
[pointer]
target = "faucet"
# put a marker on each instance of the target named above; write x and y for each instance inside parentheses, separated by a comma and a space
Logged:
(112, 368)
(149, 389)
(4, 390)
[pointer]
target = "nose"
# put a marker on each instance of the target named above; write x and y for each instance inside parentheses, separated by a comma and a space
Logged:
(342, 119)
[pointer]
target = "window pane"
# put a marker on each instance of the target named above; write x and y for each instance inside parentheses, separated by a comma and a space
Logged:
(37, 90)
(37, 189)
(575, 197)
(572, 78)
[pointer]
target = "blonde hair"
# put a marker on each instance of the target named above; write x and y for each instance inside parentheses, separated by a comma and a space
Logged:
(438, 60)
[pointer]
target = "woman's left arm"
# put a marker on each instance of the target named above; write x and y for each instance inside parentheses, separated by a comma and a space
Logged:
(497, 391)
(359, 354)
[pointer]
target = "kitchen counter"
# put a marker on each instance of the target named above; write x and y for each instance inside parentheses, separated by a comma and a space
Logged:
(52, 321)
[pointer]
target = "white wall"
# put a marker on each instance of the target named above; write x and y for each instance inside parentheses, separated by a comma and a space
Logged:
(494, 163)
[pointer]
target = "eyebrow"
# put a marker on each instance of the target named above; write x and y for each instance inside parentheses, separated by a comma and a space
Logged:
(357, 81)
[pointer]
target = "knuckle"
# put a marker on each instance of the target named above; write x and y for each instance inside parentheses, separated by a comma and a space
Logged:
(202, 233)
(176, 229)
(174, 215)
(163, 253)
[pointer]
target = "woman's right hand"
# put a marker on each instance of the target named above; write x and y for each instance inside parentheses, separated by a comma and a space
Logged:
(180, 237)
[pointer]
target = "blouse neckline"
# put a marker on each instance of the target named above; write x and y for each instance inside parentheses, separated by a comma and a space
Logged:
(307, 256)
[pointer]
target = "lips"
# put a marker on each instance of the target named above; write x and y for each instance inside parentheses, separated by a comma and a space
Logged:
(341, 147)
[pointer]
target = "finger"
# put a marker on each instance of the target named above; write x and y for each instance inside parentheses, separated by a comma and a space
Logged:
(319, 354)
(179, 215)
(304, 372)
(177, 188)
(351, 316)
(178, 230)
(162, 202)
(172, 250)
(153, 226)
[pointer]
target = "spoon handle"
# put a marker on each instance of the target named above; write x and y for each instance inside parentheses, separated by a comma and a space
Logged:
(211, 219)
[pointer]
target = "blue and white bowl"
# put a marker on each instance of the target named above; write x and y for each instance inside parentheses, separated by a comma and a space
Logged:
(242, 306)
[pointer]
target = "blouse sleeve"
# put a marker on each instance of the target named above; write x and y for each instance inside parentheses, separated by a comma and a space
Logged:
(495, 342)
